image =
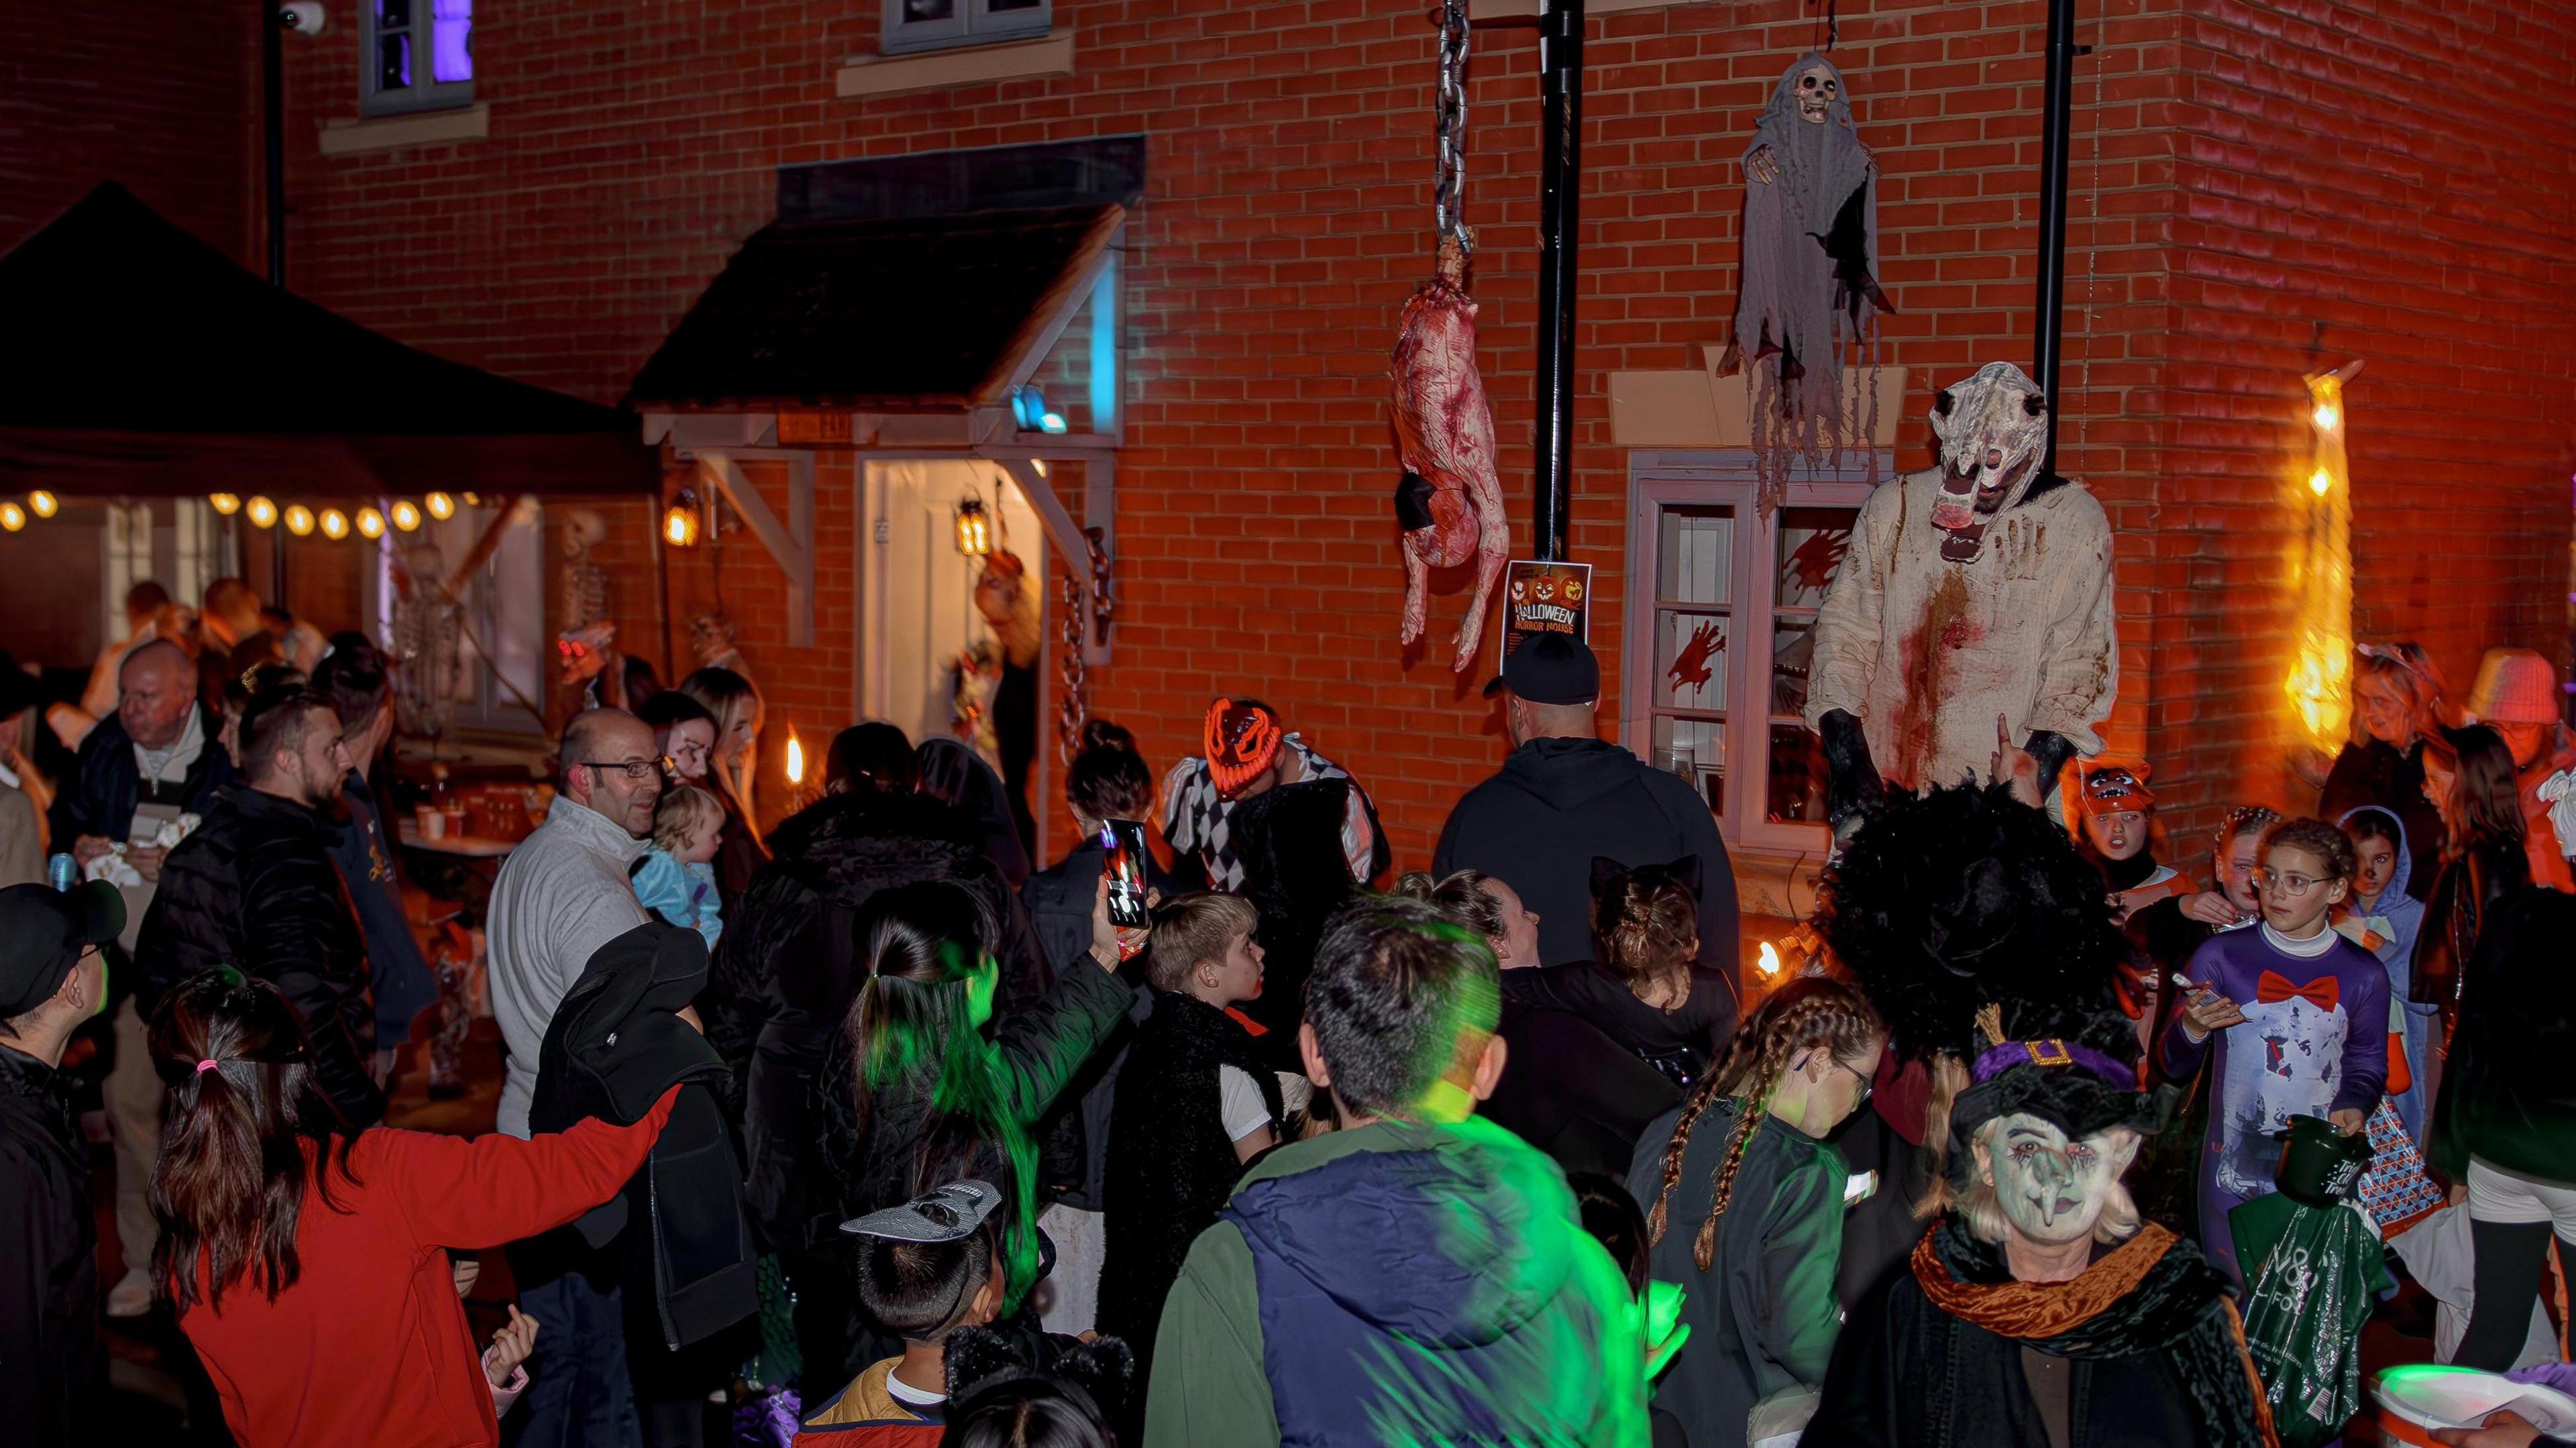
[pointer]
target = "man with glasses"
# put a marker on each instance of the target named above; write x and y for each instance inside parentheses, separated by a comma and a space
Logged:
(562, 896)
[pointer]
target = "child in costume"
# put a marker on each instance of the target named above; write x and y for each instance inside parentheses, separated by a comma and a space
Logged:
(2382, 918)
(2110, 816)
(2299, 1015)
(675, 877)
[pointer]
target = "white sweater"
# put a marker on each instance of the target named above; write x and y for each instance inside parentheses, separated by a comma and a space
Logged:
(563, 894)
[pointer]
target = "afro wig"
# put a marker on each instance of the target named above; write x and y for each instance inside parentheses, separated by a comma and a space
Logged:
(1961, 898)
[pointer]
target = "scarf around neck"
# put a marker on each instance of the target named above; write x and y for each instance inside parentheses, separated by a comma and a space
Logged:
(2154, 1294)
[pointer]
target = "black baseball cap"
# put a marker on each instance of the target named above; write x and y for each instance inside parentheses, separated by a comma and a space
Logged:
(42, 934)
(1551, 669)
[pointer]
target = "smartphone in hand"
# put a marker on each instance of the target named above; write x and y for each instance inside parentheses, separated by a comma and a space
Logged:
(1124, 840)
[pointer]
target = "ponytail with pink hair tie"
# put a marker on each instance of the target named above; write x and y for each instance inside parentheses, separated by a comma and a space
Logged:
(205, 1066)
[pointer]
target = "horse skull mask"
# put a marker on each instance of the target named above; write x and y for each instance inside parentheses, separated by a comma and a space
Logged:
(1993, 429)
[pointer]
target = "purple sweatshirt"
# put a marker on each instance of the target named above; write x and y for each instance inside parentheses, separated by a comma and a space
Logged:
(2319, 1046)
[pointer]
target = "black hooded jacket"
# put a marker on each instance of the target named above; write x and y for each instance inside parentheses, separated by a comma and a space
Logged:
(53, 1367)
(255, 888)
(1680, 1043)
(99, 796)
(615, 1045)
(1296, 874)
(1555, 805)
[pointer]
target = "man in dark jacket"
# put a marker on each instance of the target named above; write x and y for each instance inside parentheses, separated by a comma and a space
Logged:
(53, 1371)
(398, 976)
(163, 749)
(1564, 796)
(255, 888)
(1418, 1275)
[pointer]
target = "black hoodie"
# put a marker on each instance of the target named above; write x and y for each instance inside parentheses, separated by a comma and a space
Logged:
(1559, 802)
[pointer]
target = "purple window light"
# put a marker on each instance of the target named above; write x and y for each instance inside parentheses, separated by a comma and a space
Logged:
(451, 40)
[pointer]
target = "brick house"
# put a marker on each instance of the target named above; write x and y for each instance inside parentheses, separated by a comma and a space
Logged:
(2259, 188)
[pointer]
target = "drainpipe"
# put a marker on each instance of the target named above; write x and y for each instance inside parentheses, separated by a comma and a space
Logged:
(2057, 101)
(1560, 48)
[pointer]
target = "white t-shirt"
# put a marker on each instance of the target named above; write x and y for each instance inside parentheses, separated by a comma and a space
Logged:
(1239, 1103)
(910, 1396)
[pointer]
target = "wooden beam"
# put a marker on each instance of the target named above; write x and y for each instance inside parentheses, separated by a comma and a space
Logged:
(792, 546)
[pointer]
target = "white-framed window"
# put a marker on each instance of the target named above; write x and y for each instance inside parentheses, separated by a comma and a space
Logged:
(913, 25)
(1719, 627)
(415, 55)
(497, 641)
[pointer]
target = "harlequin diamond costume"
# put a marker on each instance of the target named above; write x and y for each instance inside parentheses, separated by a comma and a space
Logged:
(1977, 589)
(1245, 744)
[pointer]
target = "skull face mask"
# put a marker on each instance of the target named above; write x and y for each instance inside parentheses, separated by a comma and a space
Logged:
(1817, 92)
(1993, 428)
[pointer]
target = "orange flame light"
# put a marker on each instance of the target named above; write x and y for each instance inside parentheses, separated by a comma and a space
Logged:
(1770, 964)
(795, 758)
(2320, 680)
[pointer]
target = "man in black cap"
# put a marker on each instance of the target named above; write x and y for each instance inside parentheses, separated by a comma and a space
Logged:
(1565, 796)
(53, 1369)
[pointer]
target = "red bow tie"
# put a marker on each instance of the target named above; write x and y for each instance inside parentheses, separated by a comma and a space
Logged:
(2324, 992)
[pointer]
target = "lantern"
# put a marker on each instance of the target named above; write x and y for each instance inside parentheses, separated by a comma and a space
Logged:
(680, 521)
(974, 528)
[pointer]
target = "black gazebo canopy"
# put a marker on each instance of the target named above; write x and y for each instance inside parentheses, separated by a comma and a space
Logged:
(142, 362)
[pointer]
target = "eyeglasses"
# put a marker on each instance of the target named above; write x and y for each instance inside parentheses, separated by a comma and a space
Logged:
(636, 770)
(2287, 883)
(1864, 1081)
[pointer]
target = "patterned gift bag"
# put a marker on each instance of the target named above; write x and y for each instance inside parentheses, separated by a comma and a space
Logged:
(2394, 1187)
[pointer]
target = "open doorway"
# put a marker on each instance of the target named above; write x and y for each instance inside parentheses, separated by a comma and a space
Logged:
(930, 660)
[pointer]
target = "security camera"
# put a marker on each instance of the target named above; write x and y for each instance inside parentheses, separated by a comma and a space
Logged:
(303, 16)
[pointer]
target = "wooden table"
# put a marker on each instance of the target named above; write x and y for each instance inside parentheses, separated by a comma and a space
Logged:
(470, 847)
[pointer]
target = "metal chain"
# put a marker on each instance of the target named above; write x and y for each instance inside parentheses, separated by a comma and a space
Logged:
(1073, 703)
(1449, 190)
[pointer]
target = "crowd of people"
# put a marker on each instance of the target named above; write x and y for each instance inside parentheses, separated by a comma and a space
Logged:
(877, 1131)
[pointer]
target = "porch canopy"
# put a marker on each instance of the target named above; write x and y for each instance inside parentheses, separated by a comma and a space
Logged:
(141, 362)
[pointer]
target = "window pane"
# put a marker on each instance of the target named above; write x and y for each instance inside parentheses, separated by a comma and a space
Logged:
(1793, 644)
(1695, 749)
(1690, 659)
(1812, 544)
(393, 14)
(393, 62)
(1000, 6)
(1695, 560)
(452, 43)
(1795, 793)
(919, 10)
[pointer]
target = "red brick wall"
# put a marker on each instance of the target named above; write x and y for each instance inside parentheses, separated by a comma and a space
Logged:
(161, 95)
(1287, 218)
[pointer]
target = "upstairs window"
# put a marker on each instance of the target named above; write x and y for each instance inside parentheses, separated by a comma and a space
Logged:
(417, 55)
(917, 25)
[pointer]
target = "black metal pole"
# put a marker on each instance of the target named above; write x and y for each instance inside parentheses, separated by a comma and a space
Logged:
(272, 62)
(1560, 49)
(2057, 98)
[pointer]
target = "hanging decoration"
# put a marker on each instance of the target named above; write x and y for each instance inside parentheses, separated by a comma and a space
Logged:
(1809, 287)
(1450, 502)
(2320, 682)
(428, 624)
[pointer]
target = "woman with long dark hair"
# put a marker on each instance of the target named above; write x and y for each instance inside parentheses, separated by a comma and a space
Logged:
(2468, 773)
(733, 763)
(927, 1094)
(308, 1264)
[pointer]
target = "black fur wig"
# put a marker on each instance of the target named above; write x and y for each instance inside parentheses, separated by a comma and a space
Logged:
(1950, 901)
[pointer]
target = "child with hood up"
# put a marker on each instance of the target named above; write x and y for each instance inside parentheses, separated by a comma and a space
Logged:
(2382, 918)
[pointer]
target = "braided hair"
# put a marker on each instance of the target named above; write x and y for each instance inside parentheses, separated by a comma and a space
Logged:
(1808, 1011)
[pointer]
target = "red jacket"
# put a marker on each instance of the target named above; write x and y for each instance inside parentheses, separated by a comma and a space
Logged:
(370, 1346)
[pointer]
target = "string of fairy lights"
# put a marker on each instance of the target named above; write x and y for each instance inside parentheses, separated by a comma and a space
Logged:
(401, 515)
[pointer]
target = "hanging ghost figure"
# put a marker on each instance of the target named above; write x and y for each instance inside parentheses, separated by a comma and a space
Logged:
(1809, 287)
(1974, 609)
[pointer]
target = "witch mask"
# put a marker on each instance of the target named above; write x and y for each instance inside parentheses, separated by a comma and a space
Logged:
(2050, 1188)
(1993, 429)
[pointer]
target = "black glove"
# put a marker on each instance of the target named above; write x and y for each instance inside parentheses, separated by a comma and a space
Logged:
(2051, 751)
(1852, 786)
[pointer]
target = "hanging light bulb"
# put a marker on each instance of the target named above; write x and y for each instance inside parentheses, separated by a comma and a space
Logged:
(795, 757)
(43, 504)
(406, 515)
(974, 528)
(2321, 482)
(471, 500)
(261, 512)
(680, 522)
(299, 519)
(335, 524)
(371, 524)
(224, 503)
(2327, 416)
(12, 517)
(441, 506)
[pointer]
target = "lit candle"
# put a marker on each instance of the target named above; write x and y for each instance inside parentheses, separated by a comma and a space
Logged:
(795, 759)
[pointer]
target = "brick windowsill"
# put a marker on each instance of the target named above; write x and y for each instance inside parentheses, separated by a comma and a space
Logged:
(889, 75)
(422, 128)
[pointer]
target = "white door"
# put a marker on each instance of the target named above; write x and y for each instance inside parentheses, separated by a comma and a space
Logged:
(920, 593)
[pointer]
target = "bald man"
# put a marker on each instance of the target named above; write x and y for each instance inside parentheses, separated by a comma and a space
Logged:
(158, 750)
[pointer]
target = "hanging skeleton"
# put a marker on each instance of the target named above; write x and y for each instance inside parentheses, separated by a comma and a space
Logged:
(1450, 503)
(427, 623)
(1809, 286)
(587, 637)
